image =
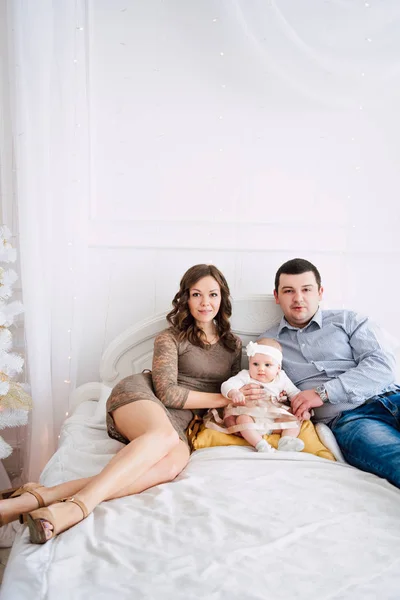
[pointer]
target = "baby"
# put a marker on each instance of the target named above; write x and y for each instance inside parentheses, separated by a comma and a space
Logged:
(253, 419)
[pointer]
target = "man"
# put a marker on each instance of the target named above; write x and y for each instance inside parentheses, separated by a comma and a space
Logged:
(336, 359)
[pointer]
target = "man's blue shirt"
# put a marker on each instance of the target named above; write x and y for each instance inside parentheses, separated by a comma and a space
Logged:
(340, 349)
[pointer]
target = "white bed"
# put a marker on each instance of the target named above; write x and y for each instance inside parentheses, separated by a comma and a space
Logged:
(235, 524)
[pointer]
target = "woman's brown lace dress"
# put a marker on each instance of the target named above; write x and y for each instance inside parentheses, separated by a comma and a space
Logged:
(178, 367)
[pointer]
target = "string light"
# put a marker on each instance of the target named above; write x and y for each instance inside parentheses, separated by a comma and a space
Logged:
(76, 180)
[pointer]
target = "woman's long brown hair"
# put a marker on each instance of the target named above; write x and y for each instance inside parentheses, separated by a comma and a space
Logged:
(181, 319)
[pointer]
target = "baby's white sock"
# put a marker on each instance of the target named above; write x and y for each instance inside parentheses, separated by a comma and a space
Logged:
(263, 446)
(290, 444)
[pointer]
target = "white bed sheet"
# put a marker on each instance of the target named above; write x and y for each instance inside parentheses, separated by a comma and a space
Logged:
(235, 524)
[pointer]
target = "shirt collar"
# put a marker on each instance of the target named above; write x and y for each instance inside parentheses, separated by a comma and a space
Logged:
(317, 318)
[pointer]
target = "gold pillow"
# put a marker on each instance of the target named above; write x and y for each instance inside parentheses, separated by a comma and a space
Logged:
(201, 437)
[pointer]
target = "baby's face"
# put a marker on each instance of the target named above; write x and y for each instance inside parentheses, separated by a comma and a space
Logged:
(263, 368)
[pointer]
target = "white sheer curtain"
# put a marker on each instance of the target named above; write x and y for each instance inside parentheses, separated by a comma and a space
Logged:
(47, 54)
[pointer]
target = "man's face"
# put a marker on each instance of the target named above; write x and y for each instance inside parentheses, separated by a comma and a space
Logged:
(299, 297)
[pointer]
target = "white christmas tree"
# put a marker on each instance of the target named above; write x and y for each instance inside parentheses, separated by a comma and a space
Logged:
(15, 403)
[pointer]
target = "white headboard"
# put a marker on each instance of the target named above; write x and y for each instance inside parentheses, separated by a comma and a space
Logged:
(132, 351)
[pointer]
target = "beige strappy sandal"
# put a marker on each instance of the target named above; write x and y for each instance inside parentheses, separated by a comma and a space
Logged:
(35, 519)
(28, 488)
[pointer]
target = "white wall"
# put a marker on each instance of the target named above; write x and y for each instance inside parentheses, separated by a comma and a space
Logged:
(243, 134)
(238, 132)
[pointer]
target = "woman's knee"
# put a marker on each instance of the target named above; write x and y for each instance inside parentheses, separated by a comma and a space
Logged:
(176, 461)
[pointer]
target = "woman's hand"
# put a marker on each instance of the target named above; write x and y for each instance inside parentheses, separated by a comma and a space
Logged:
(253, 391)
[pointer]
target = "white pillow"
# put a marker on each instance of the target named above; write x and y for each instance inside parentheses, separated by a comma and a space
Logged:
(100, 412)
(328, 439)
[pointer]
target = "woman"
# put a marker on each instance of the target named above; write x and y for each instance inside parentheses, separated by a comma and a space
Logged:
(191, 360)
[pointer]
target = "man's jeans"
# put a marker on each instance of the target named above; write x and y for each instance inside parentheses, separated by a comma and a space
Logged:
(369, 436)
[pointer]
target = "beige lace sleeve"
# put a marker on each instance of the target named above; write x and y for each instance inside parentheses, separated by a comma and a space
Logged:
(237, 363)
(165, 371)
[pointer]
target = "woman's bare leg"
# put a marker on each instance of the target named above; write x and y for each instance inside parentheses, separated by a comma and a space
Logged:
(153, 439)
(165, 470)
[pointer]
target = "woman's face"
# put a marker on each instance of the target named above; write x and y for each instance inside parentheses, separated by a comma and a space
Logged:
(204, 300)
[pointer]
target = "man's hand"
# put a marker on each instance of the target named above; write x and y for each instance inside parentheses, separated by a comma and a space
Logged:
(237, 398)
(304, 402)
(252, 391)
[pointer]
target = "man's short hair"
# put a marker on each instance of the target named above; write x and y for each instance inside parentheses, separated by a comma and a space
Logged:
(297, 266)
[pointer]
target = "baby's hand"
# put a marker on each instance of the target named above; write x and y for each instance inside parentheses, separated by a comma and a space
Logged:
(237, 398)
(283, 396)
(306, 416)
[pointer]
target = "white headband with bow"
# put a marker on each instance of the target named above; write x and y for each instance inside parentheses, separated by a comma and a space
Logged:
(253, 348)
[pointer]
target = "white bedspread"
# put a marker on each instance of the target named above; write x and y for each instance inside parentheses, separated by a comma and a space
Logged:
(234, 525)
